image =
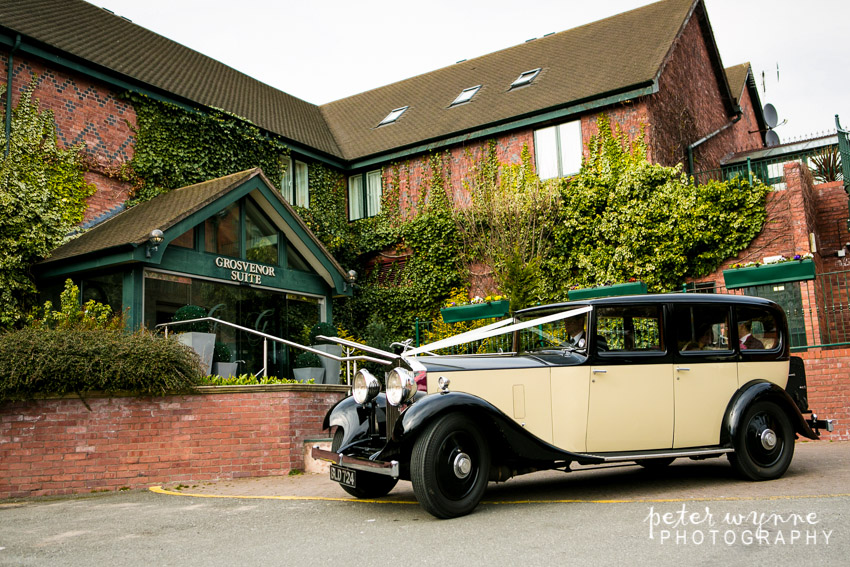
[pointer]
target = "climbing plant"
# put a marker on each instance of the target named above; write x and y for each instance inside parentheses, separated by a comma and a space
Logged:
(175, 147)
(43, 196)
(623, 217)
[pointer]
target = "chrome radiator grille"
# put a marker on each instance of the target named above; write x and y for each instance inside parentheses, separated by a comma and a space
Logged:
(392, 417)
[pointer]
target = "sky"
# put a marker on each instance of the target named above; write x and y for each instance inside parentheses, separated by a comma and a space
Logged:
(324, 50)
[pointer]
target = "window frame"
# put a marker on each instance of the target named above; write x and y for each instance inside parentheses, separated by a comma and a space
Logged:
(369, 203)
(560, 143)
(525, 78)
(461, 99)
(295, 187)
(393, 116)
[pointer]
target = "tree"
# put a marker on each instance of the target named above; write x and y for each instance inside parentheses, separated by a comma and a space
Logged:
(42, 198)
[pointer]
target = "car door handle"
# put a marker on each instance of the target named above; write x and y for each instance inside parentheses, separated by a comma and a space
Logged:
(599, 371)
(682, 369)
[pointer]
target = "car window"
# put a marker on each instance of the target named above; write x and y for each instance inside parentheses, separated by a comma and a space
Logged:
(757, 328)
(629, 328)
(564, 333)
(702, 328)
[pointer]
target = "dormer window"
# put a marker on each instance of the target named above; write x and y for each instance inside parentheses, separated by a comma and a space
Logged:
(525, 78)
(465, 95)
(393, 116)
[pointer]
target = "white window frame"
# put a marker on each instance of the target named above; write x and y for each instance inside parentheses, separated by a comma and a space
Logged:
(525, 78)
(465, 95)
(295, 185)
(394, 115)
(558, 150)
(364, 194)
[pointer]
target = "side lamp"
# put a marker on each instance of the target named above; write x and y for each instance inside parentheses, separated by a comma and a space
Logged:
(154, 240)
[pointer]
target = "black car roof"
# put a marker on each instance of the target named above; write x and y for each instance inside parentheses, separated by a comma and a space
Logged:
(656, 298)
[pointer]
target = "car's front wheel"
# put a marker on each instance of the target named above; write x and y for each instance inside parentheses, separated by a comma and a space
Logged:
(450, 467)
(764, 442)
(369, 485)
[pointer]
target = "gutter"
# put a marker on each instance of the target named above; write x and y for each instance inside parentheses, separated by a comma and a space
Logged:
(738, 114)
(15, 47)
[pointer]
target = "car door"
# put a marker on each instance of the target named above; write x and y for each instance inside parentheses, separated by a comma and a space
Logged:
(630, 400)
(705, 373)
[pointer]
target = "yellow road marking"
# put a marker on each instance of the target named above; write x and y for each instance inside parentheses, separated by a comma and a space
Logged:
(161, 490)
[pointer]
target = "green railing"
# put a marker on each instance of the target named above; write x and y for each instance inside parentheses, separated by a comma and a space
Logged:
(770, 171)
(844, 152)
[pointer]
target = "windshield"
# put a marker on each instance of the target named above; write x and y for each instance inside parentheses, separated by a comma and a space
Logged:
(569, 333)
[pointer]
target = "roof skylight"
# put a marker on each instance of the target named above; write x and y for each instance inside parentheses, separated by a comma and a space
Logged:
(525, 78)
(465, 95)
(393, 116)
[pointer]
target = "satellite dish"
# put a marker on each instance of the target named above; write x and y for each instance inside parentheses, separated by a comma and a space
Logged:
(771, 138)
(770, 116)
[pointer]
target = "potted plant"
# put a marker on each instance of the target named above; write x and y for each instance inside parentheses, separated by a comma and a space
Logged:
(308, 366)
(331, 366)
(628, 288)
(196, 335)
(777, 269)
(221, 361)
(478, 308)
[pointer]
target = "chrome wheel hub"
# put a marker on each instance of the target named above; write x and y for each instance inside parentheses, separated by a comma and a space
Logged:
(768, 439)
(462, 465)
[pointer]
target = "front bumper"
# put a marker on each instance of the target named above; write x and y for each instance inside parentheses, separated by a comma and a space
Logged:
(377, 467)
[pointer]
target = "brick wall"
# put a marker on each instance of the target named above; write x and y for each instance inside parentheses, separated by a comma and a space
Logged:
(828, 380)
(87, 113)
(58, 446)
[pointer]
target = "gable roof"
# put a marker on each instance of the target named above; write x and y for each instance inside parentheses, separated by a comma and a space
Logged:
(131, 228)
(581, 68)
(737, 77)
(113, 44)
(615, 55)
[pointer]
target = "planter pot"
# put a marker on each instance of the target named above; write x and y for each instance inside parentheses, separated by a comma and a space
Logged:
(330, 365)
(630, 288)
(794, 271)
(305, 374)
(225, 369)
(475, 311)
(203, 344)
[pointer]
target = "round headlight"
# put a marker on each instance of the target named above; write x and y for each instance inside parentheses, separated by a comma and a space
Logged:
(366, 387)
(401, 386)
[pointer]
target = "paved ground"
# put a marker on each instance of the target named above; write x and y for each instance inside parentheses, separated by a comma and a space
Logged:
(693, 513)
(827, 462)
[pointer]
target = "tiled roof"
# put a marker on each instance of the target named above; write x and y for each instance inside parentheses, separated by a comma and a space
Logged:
(611, 56)
(133, 226)
(97, 36)
(737, 78)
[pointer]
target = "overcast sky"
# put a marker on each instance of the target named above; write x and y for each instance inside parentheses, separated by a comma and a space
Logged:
(323, 50)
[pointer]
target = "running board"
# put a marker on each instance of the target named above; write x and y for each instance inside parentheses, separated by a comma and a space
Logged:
(659, 454)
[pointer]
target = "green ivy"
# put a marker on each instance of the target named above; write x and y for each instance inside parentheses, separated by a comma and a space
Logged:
(43, 196)
(175, 147)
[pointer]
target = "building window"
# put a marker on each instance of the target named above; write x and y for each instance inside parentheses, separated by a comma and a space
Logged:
(525, 78)
(465, 95)
(558, 150)
(393, 116)
(295, 184)
(364, 195)
(222, 232)
(261, 236)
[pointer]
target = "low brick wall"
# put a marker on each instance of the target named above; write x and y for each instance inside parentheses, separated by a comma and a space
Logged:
(59, 446)
(828, 381)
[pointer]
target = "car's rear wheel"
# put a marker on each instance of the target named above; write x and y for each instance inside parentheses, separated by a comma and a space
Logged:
(369, 485)
(655, 464)
(450, 467)
(764, 442)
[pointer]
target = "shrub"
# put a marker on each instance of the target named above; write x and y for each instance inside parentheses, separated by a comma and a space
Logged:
(221, 353)
(307, 360)
(187, 313)
(323, 328)
(43, 361)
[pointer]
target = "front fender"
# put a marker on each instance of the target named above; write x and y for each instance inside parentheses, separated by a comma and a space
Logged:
(755, 391)
(354, 417)
(502, 431)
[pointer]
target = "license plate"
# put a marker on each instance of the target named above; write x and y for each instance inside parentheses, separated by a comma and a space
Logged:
(347, 477)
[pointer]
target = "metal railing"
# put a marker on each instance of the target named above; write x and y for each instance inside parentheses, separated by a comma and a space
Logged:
(769, 171)
(349, 346)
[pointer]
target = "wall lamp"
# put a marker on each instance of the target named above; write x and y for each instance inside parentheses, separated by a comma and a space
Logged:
(154, 240)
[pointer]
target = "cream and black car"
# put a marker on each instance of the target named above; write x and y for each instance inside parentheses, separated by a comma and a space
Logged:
(645, 379)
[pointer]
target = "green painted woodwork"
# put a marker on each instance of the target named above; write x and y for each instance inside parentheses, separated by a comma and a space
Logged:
(475, 311)
(794, 271)
(630, 288)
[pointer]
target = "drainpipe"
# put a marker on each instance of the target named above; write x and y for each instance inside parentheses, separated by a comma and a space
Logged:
(9, 95)
(738, 114)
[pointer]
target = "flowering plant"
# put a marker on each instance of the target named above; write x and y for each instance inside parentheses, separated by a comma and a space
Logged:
(460, 297)
(780, 259)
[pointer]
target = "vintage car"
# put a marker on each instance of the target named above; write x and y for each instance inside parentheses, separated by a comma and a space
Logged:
(645, 379)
